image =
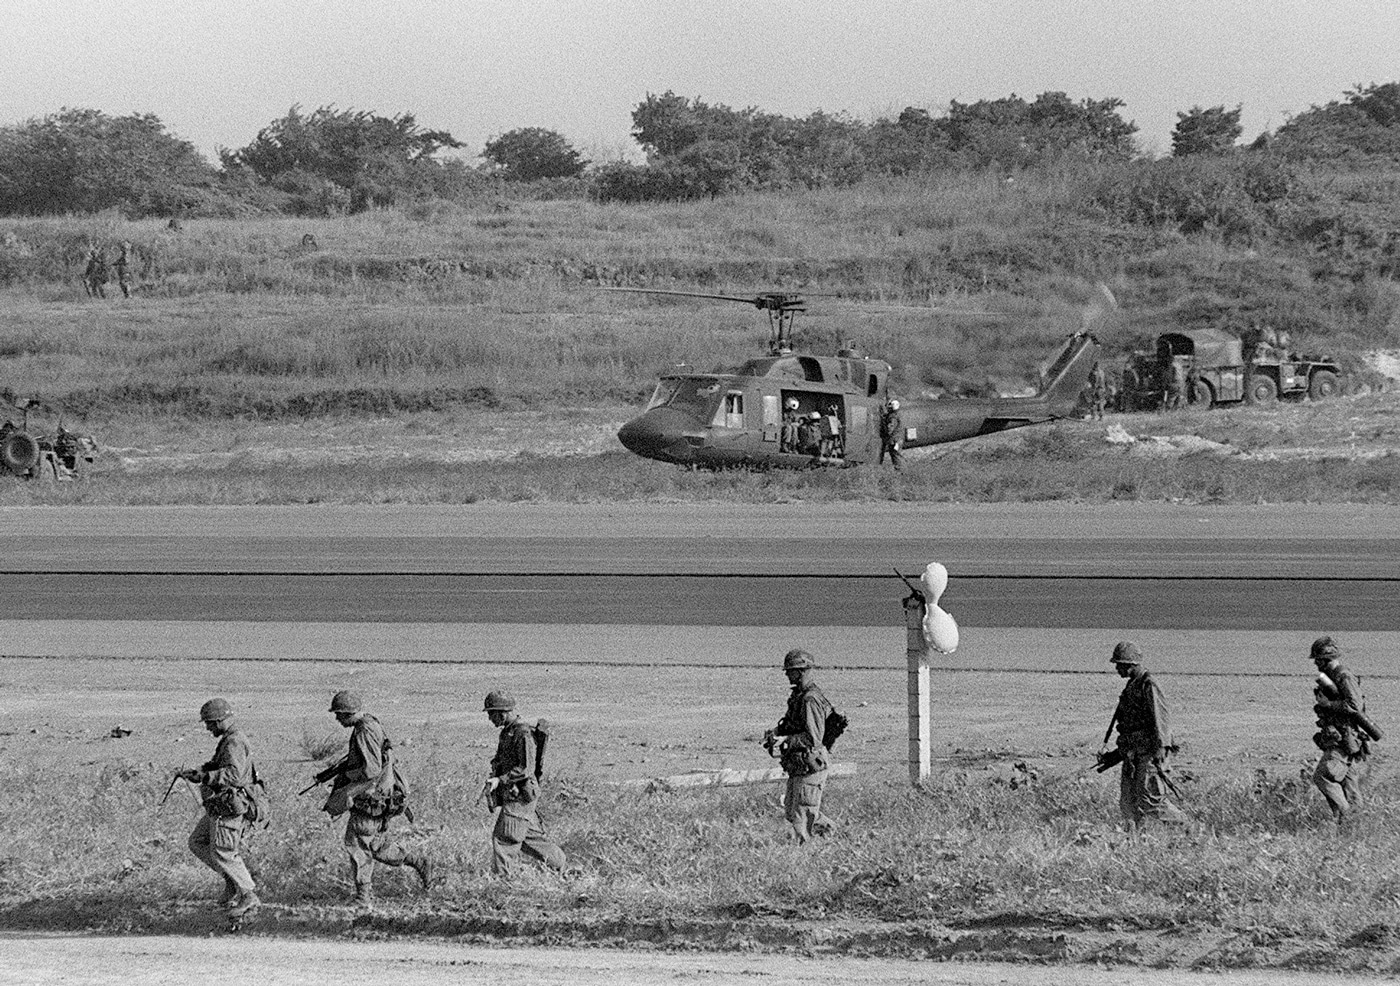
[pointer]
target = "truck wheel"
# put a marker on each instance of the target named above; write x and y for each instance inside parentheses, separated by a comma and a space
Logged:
(1262, 390)
(19, 451)
(1323, 385)
(1202, 394)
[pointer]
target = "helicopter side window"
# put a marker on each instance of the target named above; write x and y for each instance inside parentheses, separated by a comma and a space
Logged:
(873, 387)
(733, 410)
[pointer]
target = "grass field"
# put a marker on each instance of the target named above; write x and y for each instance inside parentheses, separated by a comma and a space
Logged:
(467, 353)
(1014, 850)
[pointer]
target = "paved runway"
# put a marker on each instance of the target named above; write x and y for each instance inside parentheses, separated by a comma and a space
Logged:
(1021, 565)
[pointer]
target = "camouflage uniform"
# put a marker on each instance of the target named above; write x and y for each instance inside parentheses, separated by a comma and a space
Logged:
(122, 265)
(1145, 742)
(1344, 747)
(892, 437)
(787, 438)
(367, 838)
(95, 274)
(217, 839)
(518, 827)
(803, 753)
(1098, 393)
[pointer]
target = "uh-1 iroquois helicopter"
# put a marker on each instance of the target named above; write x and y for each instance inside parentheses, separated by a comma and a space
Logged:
(736, 418)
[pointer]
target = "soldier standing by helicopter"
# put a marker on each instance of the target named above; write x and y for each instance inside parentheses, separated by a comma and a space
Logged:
(791, 419)
(892, 435)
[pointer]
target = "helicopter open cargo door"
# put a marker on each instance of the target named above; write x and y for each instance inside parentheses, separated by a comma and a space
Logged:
(772, 417)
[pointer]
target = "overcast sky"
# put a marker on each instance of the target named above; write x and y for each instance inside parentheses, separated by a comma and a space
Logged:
(217, 71)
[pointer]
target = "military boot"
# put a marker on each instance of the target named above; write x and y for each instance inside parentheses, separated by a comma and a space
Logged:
(243, 903)
(423, 866)
(230, 893)
(364, 896)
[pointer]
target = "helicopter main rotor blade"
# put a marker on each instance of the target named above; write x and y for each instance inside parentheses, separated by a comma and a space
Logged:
(758, 301)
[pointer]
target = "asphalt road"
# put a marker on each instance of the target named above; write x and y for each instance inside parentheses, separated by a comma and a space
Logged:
(679, 565)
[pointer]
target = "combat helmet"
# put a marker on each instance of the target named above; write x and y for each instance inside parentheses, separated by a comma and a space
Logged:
(215, 710)
(1324, 648)
(1126, 652)
(347, 702)
(499, 701)
(798, 659)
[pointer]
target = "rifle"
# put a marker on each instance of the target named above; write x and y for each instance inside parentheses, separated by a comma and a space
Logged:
(323, 776)
(1167, 780)
(1107, 761)
(1358, 716)
(175, 778)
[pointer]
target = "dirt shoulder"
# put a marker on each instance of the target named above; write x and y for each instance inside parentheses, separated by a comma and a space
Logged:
(357, 951)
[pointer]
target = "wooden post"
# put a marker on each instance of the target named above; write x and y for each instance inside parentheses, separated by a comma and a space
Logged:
(917, 655)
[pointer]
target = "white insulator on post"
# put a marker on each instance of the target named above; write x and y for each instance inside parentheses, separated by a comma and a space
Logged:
(939, 627)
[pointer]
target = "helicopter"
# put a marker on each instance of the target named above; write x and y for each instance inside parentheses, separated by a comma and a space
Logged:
(735, 419)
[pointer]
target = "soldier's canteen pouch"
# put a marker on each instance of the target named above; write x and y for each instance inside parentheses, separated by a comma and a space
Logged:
(511, 827)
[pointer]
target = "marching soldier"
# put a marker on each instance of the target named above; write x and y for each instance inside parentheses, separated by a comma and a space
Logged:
(225, 782)
(1144, 743)
(363, 784)
(514, 788)
(803, 749)
(1342, 735)
(892, 435)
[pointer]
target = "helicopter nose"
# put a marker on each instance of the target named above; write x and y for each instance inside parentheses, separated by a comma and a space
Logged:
(658, 434)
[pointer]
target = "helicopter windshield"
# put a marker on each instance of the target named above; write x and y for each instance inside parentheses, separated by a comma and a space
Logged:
(694, 395)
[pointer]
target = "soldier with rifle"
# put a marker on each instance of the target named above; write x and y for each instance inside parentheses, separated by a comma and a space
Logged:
(226, 785)
(366, 784)
(514, 788)
(1144, 744)
(803, 737)
(1344, 730)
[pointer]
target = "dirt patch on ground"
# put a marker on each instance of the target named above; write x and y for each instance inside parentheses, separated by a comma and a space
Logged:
(999, 939)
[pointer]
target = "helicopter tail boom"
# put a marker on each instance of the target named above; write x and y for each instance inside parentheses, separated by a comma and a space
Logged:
(950, 420)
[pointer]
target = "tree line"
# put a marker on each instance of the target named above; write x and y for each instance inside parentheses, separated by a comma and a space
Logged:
(332, 161)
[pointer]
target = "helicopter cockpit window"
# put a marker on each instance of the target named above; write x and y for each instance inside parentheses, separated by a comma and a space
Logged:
(694, 395)
(665, 390)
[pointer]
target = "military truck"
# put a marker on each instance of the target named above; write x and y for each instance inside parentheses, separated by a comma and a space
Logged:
(1223, 369)
(29, 453)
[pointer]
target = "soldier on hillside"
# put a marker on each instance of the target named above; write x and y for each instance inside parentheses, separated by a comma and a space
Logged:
(95, 274)
(225, 783)
(1098, 390)
(122, 266)
(1342, 738)
(513, 787)
(1144, 743)
(803, 749)
(363, 783)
